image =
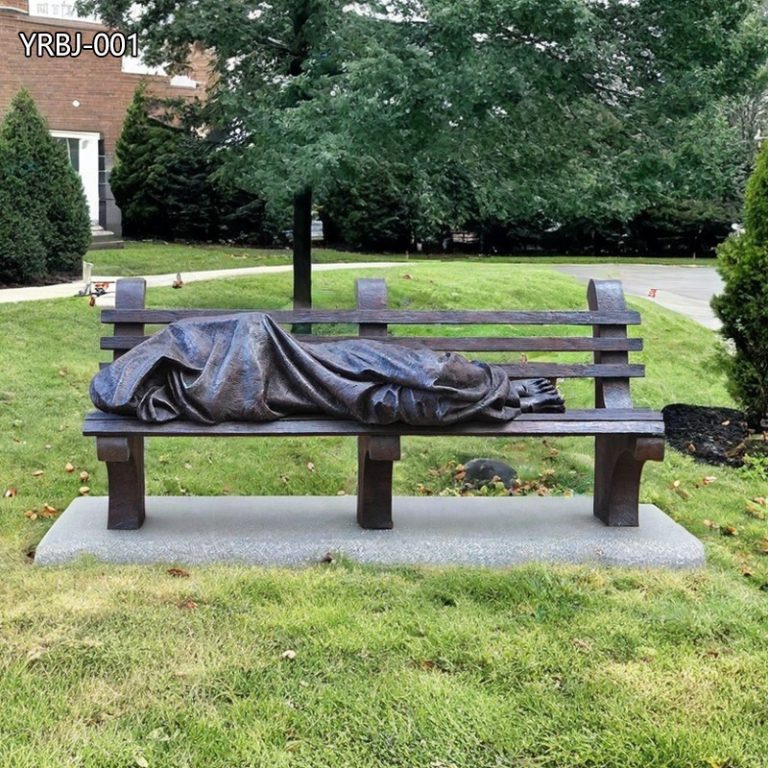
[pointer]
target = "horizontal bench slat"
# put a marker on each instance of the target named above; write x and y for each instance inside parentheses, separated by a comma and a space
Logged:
(388, 316)
(558, 370)
(577, 422)
(457, 344)
(573, 371)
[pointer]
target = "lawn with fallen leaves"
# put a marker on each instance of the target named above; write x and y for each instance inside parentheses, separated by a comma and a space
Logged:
(343, 665)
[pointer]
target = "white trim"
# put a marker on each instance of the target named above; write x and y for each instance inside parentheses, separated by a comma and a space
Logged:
(76, 134)
(183, 81)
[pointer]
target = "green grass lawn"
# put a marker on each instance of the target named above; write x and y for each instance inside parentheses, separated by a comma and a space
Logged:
(105, 666)
(155, 258)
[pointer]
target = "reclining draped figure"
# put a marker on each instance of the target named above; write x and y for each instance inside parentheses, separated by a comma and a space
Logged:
(245, 367)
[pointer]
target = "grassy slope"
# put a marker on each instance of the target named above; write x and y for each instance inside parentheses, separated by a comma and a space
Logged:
(155, 258)
(105, 666)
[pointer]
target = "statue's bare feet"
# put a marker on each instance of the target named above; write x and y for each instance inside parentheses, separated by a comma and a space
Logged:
(539, 395)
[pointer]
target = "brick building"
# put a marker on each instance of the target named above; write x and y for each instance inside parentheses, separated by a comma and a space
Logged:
(84, 97)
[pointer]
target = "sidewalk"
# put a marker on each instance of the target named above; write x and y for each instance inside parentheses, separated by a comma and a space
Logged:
(683, 289)
(63, 290)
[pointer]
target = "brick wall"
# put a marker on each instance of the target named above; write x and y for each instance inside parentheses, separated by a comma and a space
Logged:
(98, 85)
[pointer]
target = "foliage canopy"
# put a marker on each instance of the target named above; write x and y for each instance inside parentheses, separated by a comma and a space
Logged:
(561, 109)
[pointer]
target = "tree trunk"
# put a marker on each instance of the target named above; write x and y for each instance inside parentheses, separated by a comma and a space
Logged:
(302, 249)
(302, 254)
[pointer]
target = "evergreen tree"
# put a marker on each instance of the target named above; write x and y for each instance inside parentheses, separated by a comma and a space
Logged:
(742, 262)
(139, 177)
(45, 224)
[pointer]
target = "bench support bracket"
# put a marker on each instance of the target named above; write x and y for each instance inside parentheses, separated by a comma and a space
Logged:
(619, 461)
(125, 473)
(375, 456)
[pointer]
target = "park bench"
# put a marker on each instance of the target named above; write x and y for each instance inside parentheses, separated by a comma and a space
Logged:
(625, 437)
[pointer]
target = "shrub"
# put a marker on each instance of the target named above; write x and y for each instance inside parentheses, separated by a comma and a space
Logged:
(742, 262)
(166, 186)
(22, 252)
(44, 222)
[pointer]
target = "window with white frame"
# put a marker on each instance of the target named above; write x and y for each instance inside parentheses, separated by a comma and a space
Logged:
(59, 9)
(135, 65)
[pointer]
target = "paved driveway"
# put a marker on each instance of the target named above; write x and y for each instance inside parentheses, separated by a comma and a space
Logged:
(683, 289)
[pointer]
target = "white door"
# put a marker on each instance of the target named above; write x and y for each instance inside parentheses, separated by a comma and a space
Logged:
(83, 151)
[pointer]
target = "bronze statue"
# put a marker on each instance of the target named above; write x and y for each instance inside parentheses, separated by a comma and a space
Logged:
(245, 367)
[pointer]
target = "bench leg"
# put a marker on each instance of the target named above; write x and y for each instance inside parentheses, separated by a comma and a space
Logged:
(125, 472)
(375, 457)
(619, 461)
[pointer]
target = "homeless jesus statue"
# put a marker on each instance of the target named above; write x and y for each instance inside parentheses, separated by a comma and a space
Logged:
(245, 367)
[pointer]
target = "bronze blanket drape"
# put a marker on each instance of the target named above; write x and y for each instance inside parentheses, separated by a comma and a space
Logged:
(245, 367)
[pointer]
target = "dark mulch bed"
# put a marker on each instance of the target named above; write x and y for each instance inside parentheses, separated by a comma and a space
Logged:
(52, 279)
(712, 435)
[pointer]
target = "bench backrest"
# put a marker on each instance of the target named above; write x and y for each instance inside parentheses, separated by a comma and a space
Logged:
(607, 317)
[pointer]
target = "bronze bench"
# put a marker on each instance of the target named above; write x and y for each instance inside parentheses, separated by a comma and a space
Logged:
(625, 437)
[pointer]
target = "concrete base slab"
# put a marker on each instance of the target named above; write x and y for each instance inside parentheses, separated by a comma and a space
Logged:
(298, 530)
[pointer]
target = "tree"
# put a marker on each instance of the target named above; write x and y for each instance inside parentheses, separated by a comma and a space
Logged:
(743, 305)
(165, 178)
(554, 109)
(142, 178)
(45, 223)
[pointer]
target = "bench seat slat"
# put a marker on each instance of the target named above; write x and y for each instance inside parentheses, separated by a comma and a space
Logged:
(459, 344)
(388, 316)
(576, 422)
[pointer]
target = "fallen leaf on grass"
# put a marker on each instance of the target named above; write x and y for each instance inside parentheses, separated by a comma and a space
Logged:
(83, 490)
(328, 558)
(708, 480)
(49, 511)
(142, 762)
(584, 645)
(290, 655)
(729, 530)
(310, 466)
(711, 524)
(760, 500)
(31, 514)
(188, 605)
(84, 477)
(179, 573)
(10, 493)
(38, 473)
(69, 467)
(754, 511)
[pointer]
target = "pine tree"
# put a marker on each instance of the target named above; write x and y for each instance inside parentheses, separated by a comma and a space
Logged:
(742, 262)
(45, 224)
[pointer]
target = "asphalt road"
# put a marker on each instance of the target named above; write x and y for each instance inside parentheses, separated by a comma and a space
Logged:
(683, 289)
